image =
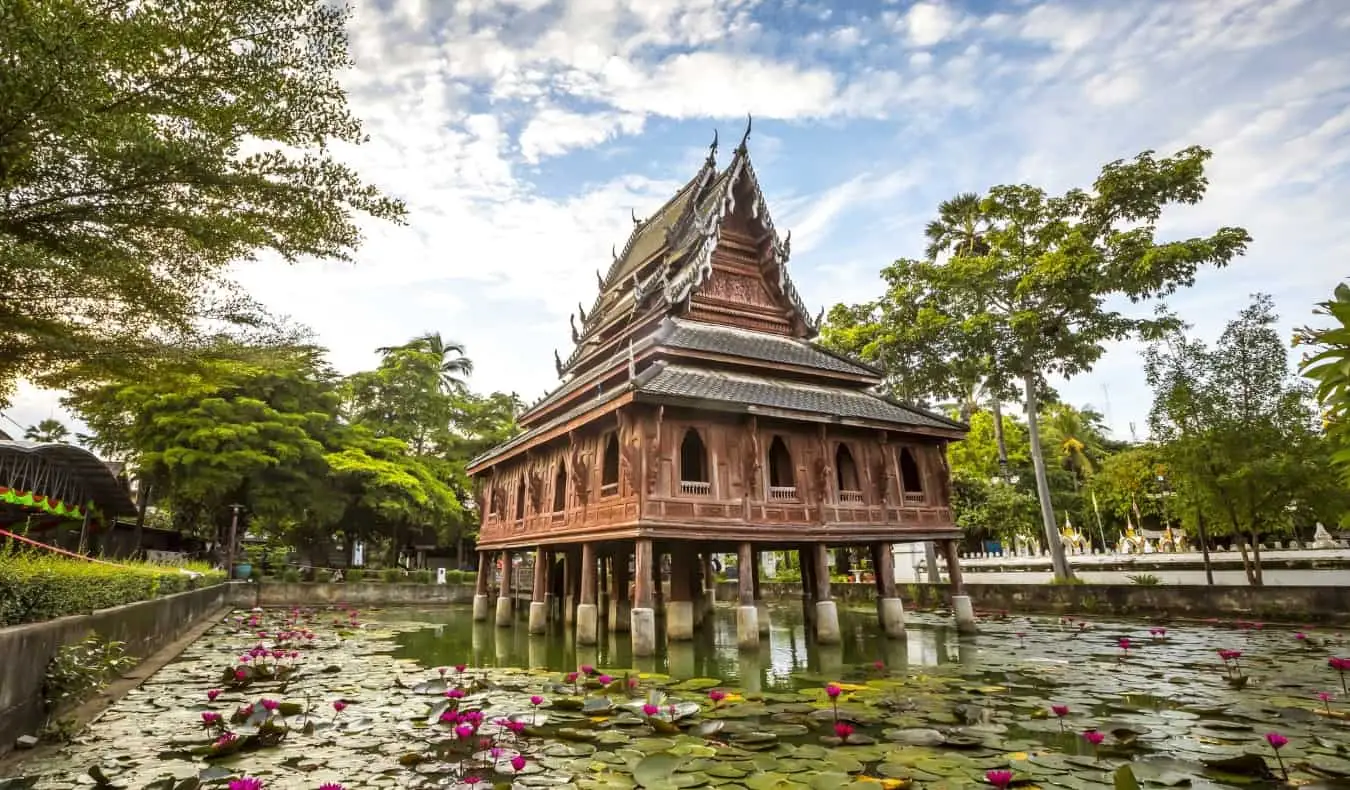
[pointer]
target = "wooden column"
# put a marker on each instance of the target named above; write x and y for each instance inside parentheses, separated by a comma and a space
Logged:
(961, 606)
(570, 582)
(883, 565)
(827, 613)
(588, 613)
(480, 590)
(539, 594)
(955, 581)
(602, 585)
(658, 580)
(643, 620)
(821, 571)
(890, 612)
(680, 610)
(505, 602)
(745, 585)
(755, 572)
(620, 608)
(541, 561)
(484, 566)
(588, 578)
(697, 565)
(807, 564)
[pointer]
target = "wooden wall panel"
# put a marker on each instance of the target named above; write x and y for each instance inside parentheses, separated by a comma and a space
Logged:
(739, 494)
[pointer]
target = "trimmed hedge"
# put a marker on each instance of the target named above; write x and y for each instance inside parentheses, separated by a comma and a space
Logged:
(39, 586)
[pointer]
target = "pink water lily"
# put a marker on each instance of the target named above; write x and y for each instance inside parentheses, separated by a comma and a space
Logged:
(650, 710)
(832, 690)
(464, 732)
(843, 730)
(246, 783)
(212, 694)
(331, 786)
(999, 778)
(1095, 738)
(716, 696)
(1277, 742)
(517, 763)
(269, 704)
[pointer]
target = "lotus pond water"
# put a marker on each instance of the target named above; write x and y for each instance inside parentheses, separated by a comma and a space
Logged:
(302, 699)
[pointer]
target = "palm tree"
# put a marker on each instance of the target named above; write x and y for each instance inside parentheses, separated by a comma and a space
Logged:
(453, 364)
(1078, 435)
(960, 229)
(50, 430)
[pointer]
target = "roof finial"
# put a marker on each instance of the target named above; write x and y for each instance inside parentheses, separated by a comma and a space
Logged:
(572, 322)
(582, 311)
(749, 122)
(787, 244)
(614, 252)
(633, 212)
(557, 362)
(712, 149)
(599, 281)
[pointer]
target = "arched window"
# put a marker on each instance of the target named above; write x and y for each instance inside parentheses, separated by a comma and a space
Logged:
(694, 478)
(846, 475)
(782, 482)
(911, 479)
(520, 498)
(609, 469)
(560, 488)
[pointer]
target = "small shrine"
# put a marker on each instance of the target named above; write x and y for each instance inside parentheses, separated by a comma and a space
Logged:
(697, 417)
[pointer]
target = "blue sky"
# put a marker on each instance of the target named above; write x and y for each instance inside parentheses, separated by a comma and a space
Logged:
(523, 132)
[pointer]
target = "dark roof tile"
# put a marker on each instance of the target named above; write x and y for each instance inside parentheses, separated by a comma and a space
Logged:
(711, 338)
(693, 383)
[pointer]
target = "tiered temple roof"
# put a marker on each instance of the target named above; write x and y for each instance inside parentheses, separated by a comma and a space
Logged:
(699, 309)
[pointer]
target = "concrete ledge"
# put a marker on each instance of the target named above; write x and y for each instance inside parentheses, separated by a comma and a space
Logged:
(1304, 604)
(358, 593)
(145, 627)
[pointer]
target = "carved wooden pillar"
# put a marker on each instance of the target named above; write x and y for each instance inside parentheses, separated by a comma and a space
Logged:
(620, 608)
(698, 566)
(756, 572)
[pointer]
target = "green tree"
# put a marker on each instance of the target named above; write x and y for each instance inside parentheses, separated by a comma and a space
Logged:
(1328, 367)
(1076, 437)
(1238, 430)
(48, 430)
(145, 147)
(1036, 302)
(453, 364)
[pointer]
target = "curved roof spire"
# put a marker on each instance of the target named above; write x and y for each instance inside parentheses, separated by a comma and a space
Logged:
(749, 122)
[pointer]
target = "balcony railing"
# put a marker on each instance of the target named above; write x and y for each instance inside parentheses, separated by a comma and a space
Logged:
(782, 493)
(915, 498)
(851, 497)
(609, 489)
(694, 488)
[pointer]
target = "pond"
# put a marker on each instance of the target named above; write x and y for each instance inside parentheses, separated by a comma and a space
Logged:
(405, 698)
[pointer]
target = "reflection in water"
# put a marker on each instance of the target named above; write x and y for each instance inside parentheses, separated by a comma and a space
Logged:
(451, 637)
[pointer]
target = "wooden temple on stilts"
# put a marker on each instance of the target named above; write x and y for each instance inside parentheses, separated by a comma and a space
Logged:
(696, 417)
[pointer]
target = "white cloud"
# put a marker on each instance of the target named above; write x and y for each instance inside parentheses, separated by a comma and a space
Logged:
(553, 131)
(474, 110)
(927, 23)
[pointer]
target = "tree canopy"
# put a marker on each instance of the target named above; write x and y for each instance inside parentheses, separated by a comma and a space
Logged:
(275, 429)
(1026, 293)
(146, 146)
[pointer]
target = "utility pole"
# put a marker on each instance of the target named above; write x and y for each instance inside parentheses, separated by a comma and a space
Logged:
(229, 547)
